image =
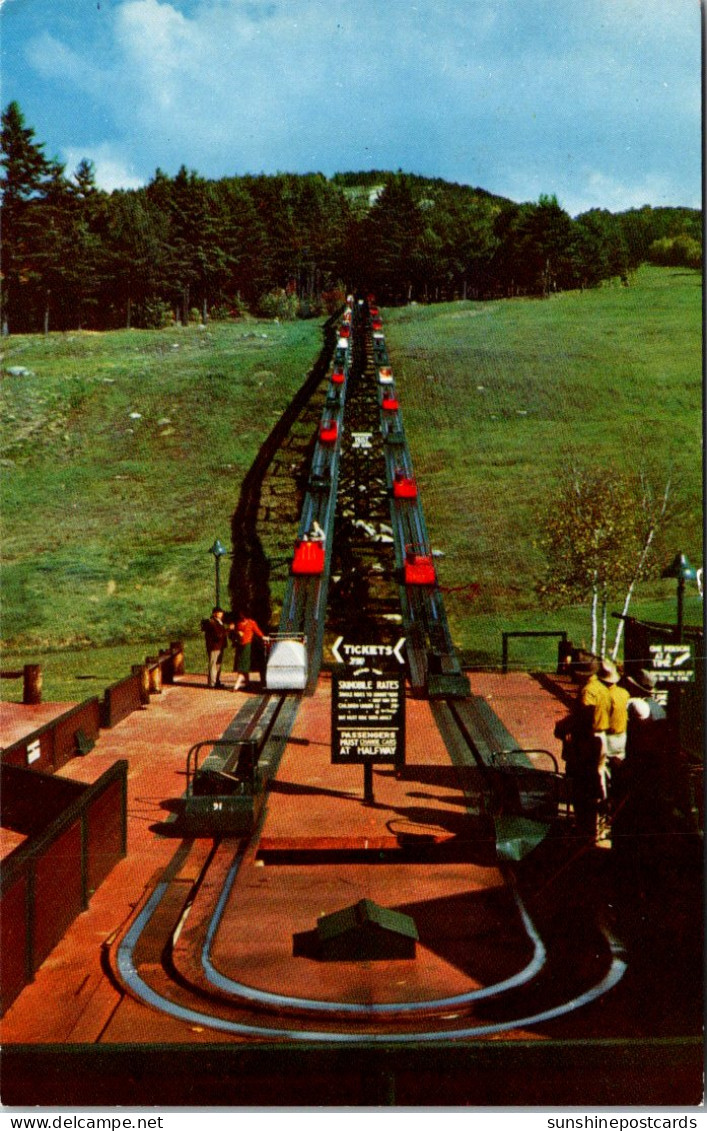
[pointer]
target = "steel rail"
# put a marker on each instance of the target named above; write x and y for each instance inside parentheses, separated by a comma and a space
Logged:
(424, 614)
(304, 603)
(242, 994)
(137, 985)
(264, 997)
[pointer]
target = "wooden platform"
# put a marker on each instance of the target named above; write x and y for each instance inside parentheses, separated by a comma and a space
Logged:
(320, 849)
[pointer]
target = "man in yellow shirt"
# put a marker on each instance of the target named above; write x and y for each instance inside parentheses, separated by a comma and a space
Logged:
(587, 766)
(616, 743)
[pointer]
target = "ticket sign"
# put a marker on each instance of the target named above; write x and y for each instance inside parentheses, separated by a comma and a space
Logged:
(673, 663)
(368, 718)
(356, 654)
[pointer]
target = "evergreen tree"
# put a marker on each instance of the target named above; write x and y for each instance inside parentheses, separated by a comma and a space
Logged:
(52, 250)
(25, 173)
(244, 243)
(72, 255)
(89, 260)
(136, 279)
(392, 231)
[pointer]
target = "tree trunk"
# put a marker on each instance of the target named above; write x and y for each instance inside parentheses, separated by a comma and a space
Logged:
(639, 569)
(128, 313)
(46, 314)
(604, 605)
(595, 600)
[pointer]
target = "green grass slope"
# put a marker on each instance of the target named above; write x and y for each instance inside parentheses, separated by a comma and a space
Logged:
(501, 398)
(124, 453)
(123, 457)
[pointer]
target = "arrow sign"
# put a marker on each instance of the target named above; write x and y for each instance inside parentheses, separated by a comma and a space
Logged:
(357, 654)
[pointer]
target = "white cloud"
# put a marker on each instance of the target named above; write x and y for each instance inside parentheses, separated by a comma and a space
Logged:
(52, 59)
(112, 168)
(601, 190)
(234, 82)
(490, 92)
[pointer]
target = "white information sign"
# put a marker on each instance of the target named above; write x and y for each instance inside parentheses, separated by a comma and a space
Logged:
(673, 663)
(362, 440)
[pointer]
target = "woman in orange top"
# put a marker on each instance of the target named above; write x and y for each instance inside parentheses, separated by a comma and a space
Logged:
(246, 628)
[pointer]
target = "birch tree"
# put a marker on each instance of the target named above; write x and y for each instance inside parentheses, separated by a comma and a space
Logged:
(597, 534)
(655, 514)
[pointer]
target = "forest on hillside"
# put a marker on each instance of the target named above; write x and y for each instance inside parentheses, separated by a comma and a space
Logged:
(289, 245)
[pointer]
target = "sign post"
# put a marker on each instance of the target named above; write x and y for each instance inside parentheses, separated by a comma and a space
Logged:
(368, 721)
(368, 797)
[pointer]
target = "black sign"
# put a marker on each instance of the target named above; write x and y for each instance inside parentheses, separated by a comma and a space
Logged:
(367, 718)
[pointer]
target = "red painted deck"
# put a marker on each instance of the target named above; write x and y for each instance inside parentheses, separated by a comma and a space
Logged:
(19, 719)
(312, 805)
(525, 708)
(71, 998)
(470, 933)
(316, 808)
(9, 841)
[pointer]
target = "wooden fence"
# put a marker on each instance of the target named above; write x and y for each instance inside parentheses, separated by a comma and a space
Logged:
(50, 746)
(75, 834)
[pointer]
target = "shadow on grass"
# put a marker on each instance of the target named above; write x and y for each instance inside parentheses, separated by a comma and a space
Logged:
(249, 580)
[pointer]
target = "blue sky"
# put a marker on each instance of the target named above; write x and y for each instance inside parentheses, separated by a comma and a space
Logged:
(598, 101)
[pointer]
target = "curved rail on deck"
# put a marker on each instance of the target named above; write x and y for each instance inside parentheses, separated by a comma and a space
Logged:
(132, 978)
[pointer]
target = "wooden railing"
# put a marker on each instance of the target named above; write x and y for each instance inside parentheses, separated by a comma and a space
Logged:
(76, 834)
(562, 650)
(49, 747)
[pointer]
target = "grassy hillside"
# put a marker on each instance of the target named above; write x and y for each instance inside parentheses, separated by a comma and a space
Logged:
(108, 515)
(501, 398)
(123, 459)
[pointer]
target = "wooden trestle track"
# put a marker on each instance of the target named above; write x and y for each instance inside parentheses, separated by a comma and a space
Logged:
(509, 1023)
(360, 454)
(351, 489)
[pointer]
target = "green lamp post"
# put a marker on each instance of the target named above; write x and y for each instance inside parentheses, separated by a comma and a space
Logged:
(682, 570)
(219, 551)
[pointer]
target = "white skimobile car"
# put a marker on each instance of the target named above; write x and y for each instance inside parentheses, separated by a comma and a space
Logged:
(287, 662)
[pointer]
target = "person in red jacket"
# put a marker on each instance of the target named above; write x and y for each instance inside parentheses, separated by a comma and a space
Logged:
(246, 628)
